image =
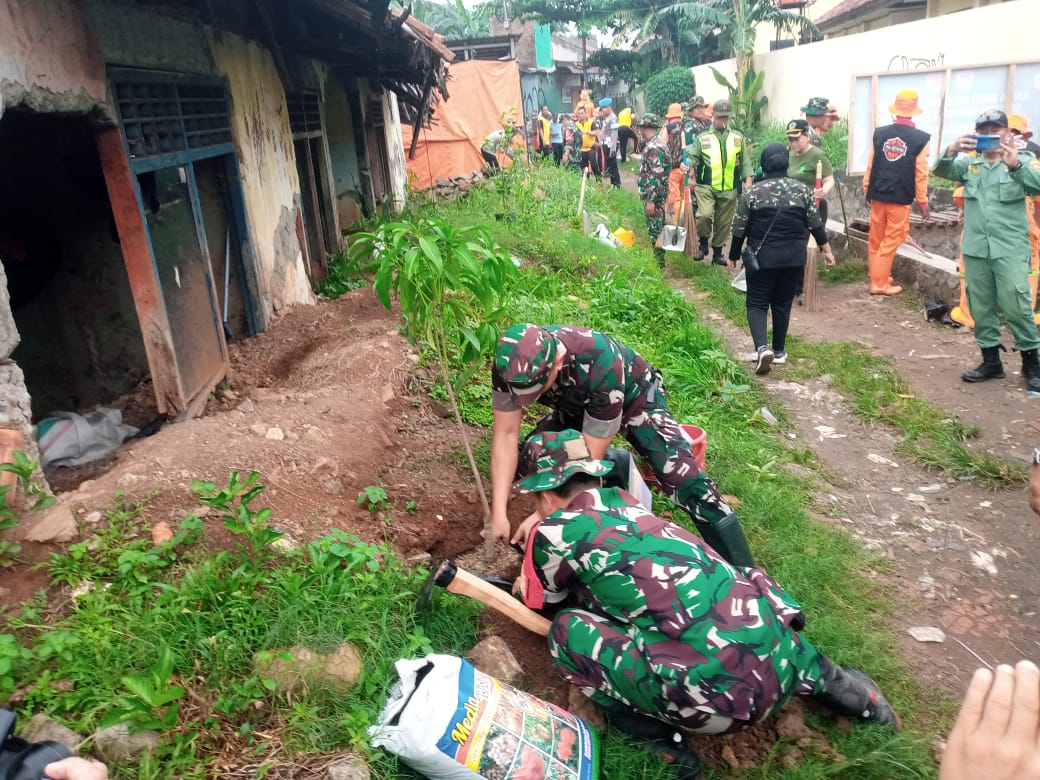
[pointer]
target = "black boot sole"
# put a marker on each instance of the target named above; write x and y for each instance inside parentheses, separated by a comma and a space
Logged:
(979, 378)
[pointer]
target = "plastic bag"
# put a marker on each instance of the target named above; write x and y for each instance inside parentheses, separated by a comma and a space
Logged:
(602, 232)
(740, 281)
(70, 439)
(450, 721)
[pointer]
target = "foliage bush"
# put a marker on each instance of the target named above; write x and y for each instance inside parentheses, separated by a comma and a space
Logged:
(673, 85)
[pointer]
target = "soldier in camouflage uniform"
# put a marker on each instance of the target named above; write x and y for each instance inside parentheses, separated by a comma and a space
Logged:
(697, 122)
(600, 386)
(653, 179)
(663, 625)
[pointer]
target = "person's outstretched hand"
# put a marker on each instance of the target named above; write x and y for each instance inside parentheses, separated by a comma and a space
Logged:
(76, 768)
(996, 734)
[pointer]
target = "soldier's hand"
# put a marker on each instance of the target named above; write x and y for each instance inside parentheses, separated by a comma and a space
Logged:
(684, 168)
(731, 264)
(828, 257)
(926, 211)
(651, 209)
(499, 528)
(520, 537)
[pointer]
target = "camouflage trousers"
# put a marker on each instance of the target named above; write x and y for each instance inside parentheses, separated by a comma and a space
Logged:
(611, 662)
(656, 223)
(652, 431)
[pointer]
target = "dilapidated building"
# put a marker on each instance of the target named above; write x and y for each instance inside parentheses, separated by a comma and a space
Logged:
(163, 162)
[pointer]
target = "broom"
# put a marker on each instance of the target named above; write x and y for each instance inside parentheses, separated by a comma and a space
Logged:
(812, 295)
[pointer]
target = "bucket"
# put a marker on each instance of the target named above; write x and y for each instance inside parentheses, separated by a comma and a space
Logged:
(698, 439)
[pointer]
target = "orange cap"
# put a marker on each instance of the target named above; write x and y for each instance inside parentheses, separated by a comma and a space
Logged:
(1021, 124)
(674, 112)
(905, 104)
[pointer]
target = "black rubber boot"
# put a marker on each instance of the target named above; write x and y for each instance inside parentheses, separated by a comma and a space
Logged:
(659, 255)
(726, 537)
(1031, 370)
(851, 692)
(702, 249)
(659, 737)
(989, 368)
(716, 256)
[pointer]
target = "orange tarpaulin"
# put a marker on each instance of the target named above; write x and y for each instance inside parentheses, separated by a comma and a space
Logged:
(482, 93)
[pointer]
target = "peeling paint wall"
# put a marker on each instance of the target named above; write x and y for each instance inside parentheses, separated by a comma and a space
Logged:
(395, 150)
(346, 174)
(264, 145)
(50, 59)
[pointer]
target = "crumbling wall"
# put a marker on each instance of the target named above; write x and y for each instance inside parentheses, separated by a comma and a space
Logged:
(15, 404)
(50, 58)
(264, 146)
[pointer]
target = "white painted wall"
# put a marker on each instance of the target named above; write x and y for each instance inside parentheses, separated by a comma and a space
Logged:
(994, 34)
(395, 150)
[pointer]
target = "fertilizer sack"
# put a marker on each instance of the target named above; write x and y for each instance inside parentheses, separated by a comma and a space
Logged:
(449, 721)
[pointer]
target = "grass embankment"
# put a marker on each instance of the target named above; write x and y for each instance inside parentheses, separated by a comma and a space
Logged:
(569, 278)
(168, 635)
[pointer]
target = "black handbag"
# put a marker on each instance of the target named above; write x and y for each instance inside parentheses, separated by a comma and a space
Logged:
(749, 256)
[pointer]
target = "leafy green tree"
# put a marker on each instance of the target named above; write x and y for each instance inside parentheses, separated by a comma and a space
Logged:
(454, 20)
(450, 283)
(673, 85)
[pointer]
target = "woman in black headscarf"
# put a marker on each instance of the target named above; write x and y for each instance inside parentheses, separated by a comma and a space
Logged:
(775, 216)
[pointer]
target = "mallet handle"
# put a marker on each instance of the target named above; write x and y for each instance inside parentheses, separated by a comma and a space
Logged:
(466, 584)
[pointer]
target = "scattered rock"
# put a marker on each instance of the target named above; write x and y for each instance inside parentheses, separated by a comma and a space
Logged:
(314, 434)
(927, 634)
(339, 670)
(41, 728)
(881, 460)
(493, 656)
(440, 408)
(767, 417)
(350, 768)
(247, 407)
(258, 428)
(116, 743)
(129, 480)
(332, 486)
(161, 533)
(388, 394)
(929, 489)
(229, 395)
(980, 559)
(92, 518)
(325, 467)
(285, 543)
(56, 524)
(274, 434)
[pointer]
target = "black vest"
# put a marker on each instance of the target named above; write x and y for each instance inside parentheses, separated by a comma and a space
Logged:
(894, 169)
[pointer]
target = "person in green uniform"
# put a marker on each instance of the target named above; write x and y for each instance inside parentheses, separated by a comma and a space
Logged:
(996, 245)
(718, 160)
(663, 629)
(654, 169)
(802, 167)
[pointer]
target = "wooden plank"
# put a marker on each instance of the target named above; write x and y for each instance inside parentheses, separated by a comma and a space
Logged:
(140, 269)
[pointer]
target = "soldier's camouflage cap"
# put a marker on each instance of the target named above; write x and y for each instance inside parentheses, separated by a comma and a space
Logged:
(550, 459)
(695, 102)
(524, 357)
(649, 120)
(817, 106)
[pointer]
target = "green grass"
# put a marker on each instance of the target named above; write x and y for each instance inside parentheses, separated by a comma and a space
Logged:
(568, 278)
(212, 614)
(877, 393)
(214, 611)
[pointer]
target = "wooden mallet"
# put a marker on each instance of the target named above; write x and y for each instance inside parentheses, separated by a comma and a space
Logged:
(455, 580)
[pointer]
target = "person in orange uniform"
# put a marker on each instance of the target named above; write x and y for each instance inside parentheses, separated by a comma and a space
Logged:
(897, 175)
(1018, 126)
(674, 142)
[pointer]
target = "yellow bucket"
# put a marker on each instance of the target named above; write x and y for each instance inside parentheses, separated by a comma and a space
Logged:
(625, 236)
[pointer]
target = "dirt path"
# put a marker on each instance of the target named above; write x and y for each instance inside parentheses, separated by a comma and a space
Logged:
(964, 556)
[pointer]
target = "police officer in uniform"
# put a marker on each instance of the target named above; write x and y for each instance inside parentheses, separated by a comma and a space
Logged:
(718, 160)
